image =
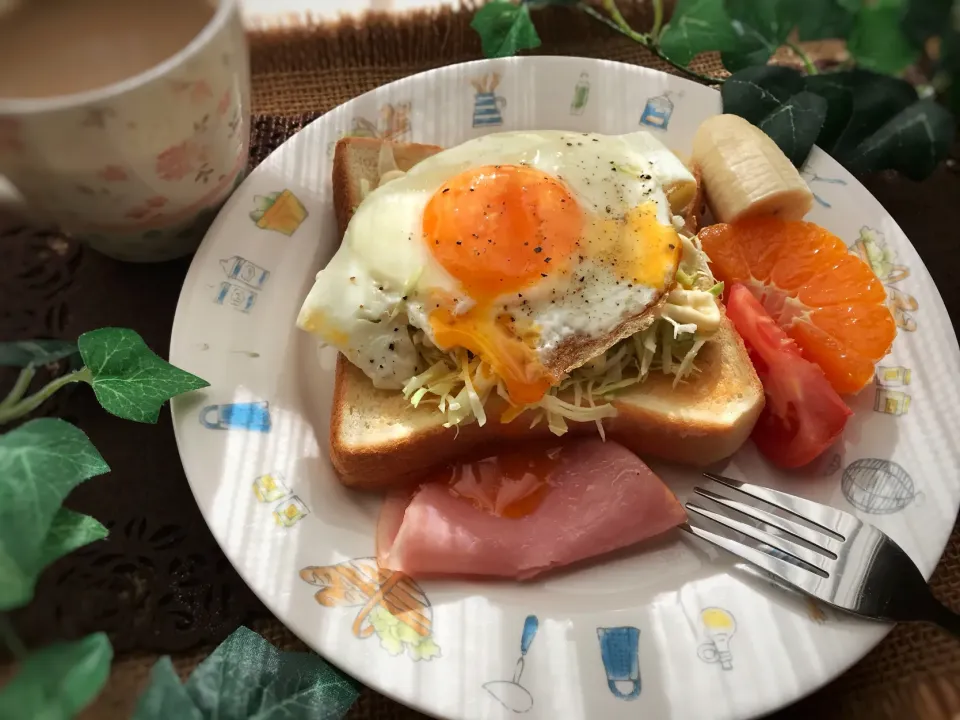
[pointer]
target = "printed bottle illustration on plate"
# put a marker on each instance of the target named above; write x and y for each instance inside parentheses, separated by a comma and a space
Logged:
(658, 110)
(891, 398)
(235, 296)
(487, 105)
(245, 279)
(390, 605)
(879, 487)
(269, 488)
(581, 94)
(281, 212)
(812, 178)
(253, 416)
(872, 248)
(510, 693)
(620, 653)
(719, 626)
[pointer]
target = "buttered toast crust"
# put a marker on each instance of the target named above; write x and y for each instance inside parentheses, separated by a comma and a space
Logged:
(378, 440)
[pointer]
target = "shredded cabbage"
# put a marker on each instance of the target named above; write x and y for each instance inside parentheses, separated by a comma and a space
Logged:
(459, 384)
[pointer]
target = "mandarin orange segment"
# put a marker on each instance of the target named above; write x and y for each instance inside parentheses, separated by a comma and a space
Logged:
(827, 299)
(847, 372)
(851, 281)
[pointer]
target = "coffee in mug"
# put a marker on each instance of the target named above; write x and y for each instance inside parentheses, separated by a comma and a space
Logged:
(124, 122)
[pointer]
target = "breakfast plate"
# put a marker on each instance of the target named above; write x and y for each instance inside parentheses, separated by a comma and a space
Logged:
(669, 629)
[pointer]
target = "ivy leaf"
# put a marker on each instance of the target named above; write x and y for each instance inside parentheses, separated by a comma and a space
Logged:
(40, 463)
(913, 142)
(754, 49)
(839, 99)
(761, 27)
(59, 681)
(695, 27)
(771, 19)
(35, 352)
(504, 29)
(926, 18)
(794, 126)
(877, 40)
(247, 678)
(69, 531)
(129, 379)
(165, 697)
(876, 98)
(826, 20)
(755, 92)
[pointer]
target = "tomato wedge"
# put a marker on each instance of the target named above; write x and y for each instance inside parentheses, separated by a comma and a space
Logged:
(804, 415)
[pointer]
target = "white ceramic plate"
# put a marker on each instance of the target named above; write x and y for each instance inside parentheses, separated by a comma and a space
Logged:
(685, 634)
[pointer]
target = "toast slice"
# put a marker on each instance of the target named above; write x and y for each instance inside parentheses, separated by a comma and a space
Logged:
(378, 440)
(356, 162)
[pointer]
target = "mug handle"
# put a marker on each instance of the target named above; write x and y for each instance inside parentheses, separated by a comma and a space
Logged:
(501, 102)
(205, 417)
(633, 695)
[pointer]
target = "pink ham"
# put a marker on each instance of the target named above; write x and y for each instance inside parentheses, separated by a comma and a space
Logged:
(601, 497)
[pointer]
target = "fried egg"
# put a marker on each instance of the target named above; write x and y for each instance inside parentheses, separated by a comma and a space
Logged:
(535, 251)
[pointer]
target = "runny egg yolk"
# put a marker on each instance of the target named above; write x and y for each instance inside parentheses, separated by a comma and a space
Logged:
(499, 229)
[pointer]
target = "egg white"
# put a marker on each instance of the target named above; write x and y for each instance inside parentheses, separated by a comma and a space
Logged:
(383, 275)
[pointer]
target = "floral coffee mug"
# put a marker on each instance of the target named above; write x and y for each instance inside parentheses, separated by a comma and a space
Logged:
(138, 168)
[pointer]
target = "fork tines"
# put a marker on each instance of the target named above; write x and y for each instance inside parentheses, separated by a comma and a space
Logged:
(799, 544)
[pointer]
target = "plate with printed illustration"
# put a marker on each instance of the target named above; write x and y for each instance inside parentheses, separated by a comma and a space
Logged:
(471, 339)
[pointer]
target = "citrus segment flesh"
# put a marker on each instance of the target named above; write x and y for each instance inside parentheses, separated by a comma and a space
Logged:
(828, 300)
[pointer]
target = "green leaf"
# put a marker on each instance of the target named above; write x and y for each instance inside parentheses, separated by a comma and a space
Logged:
(166, 698)
(926, 18)
(129, 379)
(754, 93)
(913, 142)
(877, 41)
(247, 678)
(839, 99)
(771, 19)
(69, 531)
(794, 126)
(826, 20)
(851, 5)
(35, 352)
(504, 29)
(754, 49)
(698, 26)
(876, 98)
(40, 463)
(59, 681)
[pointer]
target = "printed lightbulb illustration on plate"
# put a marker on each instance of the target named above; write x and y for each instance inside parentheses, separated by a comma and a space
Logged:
(510, 693)
(720, 626)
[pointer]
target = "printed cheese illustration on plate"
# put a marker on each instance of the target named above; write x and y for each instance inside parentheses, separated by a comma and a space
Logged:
(389, 604)
(280, 211)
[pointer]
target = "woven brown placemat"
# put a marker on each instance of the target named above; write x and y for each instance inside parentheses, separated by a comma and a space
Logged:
(301, 72)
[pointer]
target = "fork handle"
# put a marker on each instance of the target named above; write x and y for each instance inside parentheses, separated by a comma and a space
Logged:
(939, 614)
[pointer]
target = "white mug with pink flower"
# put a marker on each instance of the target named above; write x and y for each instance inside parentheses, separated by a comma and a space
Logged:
(139, 167)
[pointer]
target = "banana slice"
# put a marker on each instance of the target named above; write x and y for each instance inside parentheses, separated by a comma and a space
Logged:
(745, 174)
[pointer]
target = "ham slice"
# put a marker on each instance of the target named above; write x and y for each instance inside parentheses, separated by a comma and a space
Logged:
(598, 497)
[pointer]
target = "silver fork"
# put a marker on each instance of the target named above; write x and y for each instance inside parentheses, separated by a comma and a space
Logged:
(828, 554)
